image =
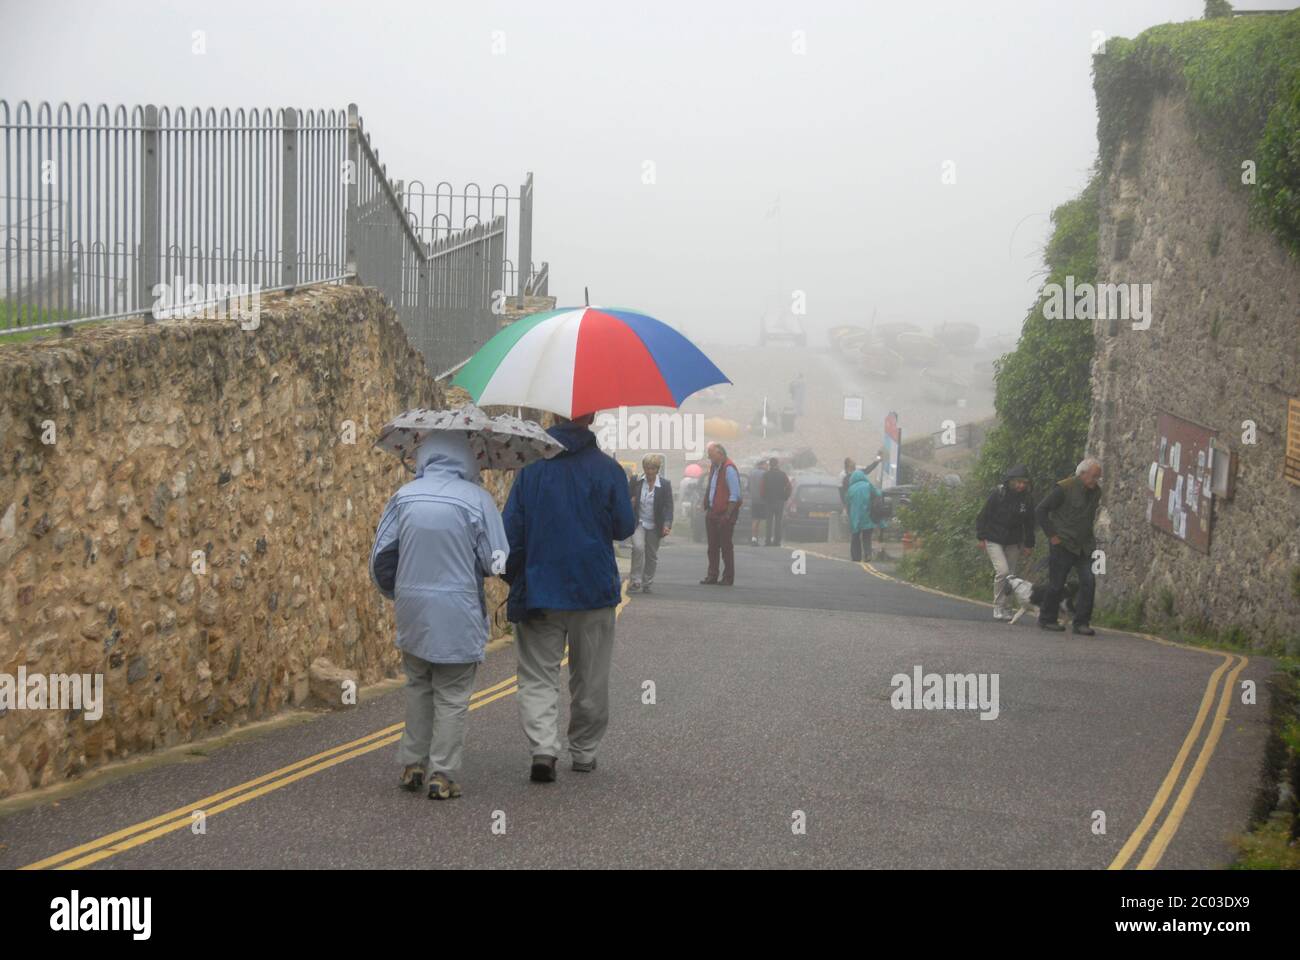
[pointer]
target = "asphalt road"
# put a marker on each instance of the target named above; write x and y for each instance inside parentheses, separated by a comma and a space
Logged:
(772, 709)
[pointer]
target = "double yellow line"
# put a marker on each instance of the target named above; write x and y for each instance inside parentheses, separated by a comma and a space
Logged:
(1160, 842)
(180, 818)
(1174, 819)
(141, 833)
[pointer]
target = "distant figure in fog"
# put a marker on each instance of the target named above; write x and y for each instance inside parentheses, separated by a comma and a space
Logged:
(434, 546)
(774, 490)
(1067, 515)
(721, 505)
(798, 390)
(1004, 526)
(862, 493)
(845, 476)
(756, 505)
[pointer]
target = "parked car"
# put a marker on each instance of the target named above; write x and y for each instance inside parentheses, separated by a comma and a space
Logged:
(813, 506)
(781, 326)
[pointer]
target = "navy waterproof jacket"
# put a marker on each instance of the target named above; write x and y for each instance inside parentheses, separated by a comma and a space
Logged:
(562, 519)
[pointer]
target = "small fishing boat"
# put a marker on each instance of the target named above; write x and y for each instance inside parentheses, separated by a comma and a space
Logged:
(941, 387)
(918, 349)
(957, 335)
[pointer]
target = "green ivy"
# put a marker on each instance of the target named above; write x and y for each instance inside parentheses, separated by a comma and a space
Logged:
(1043, 403)
(1242, 79)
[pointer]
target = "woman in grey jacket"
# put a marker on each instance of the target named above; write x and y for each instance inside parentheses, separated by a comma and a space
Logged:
(440, 535)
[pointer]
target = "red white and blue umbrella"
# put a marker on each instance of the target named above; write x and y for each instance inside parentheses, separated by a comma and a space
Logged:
(578, 360)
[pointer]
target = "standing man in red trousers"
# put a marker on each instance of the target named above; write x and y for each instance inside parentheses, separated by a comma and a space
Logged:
(721, 505)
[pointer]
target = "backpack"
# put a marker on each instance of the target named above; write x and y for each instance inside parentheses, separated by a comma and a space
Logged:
(879, 510)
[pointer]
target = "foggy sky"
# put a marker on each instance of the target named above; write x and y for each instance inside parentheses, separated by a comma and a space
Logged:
(851, 135)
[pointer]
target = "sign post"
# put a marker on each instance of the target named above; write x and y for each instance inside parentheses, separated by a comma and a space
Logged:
(1291, 465)
(893, 448)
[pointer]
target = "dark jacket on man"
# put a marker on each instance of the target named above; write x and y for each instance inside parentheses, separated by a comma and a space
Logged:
(663, 501)
(562, 518)
(774, 489)
(1007, 517)
(1069, 512)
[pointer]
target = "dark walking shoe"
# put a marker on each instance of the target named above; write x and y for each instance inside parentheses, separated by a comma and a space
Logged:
(1084, 630)
(543, 770)
(412, 777)
(709, 582)
(646, 588)
(726, 583)
(1055, 627)
(633, 588)
(442, 787)
(584, 766)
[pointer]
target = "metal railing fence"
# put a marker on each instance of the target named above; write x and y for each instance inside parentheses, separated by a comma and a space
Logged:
(109, 213)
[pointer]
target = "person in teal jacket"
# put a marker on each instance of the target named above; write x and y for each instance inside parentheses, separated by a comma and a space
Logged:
(861, 493)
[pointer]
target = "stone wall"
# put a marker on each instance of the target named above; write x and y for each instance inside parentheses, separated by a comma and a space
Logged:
(188, 436)
(1223, 348)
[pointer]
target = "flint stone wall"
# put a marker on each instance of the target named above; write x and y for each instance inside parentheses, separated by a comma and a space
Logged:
(186, 436)
(1223, 348)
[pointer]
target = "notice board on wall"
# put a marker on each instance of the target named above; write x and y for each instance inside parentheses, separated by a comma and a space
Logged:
(1179, 498)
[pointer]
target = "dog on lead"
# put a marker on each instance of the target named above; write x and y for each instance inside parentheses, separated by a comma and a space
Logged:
(1033, 594)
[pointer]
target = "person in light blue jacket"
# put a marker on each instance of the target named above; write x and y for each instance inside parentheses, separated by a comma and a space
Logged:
(439, 537)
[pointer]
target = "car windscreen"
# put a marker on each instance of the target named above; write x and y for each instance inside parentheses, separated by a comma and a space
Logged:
(819, 496)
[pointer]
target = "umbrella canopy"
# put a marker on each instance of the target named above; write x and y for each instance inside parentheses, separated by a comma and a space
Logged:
(578, 360)
(499, 443)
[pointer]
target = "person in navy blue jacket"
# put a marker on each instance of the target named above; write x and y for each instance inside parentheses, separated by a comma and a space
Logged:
(562, 519)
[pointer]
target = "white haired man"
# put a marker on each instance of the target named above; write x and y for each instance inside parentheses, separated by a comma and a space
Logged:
(722, 504)
(1067, 515)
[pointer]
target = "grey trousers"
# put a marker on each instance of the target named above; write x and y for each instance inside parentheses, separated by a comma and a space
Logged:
(645, 555)
(437, 702)
(540, 646)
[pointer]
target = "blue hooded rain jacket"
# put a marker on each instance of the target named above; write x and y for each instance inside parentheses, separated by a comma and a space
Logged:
(434, 546)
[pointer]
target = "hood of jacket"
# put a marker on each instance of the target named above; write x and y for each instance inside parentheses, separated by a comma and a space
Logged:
(858, 476)
(574, 436)
(1018, 472)
(446, 454)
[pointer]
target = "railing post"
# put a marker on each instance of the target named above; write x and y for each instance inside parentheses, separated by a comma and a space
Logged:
(423, 307)
(354, 175)
(497, 276)
(289, 199)
(150, 218)
(524, 266)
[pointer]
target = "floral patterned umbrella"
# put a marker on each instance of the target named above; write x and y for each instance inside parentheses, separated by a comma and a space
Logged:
(499, 443)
